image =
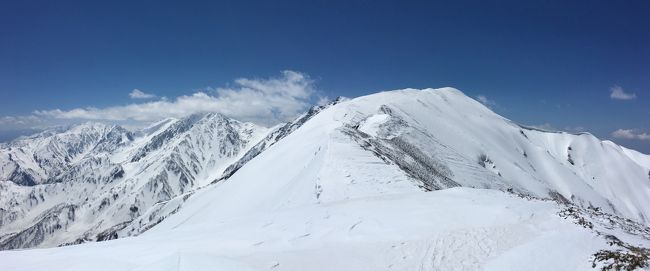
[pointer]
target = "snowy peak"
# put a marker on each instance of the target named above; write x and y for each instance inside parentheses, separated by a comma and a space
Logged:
(441, 138)
(459, 132)
(199, 124)
(200, 145)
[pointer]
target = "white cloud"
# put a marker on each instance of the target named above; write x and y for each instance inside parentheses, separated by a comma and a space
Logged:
(485, 101)
(139, 94)
(263, 101)
(323, 100)
(618, 93)
(13, 123)
(630, 134)
(18, 120)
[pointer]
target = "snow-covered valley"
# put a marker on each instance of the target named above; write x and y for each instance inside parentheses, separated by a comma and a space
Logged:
(400, 180)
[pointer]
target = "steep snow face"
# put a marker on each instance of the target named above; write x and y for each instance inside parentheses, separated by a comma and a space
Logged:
(111, 190)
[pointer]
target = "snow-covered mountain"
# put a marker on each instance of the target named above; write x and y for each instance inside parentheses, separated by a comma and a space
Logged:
(92, 181)
(42, 157)
(401, 180)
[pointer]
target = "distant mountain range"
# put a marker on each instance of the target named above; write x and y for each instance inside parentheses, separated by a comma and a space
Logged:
(91, 181)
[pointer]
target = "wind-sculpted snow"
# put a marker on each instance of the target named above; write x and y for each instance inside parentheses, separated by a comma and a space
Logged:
(432, 174)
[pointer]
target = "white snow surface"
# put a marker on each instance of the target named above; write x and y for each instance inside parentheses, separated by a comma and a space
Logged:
(453, 229)
(348, 191)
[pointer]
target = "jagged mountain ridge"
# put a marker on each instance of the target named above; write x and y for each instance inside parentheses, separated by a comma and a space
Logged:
(40, 158)
(110, 183)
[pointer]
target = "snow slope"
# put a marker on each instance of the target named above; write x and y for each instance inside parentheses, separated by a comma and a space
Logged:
(400, 180)
(454, 229)
(436, 139)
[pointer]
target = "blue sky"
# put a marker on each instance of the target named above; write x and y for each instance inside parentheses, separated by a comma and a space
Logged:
(544, 63)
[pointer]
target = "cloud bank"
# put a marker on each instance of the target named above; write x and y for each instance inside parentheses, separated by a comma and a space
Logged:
(262, 101)
(630, 134)
(617, 93)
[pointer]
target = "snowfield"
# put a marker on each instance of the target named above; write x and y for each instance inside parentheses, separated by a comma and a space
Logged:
(401, 180)
(452, 229)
